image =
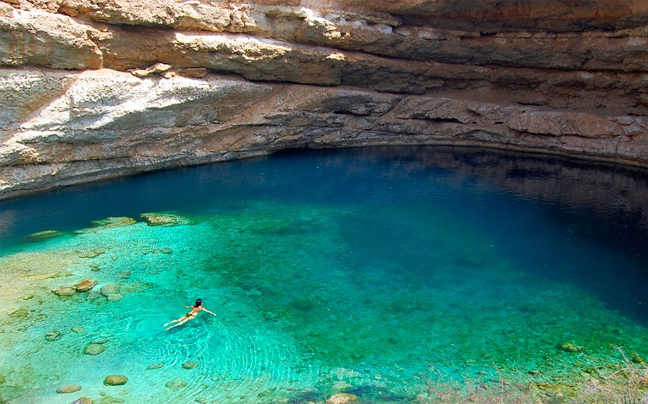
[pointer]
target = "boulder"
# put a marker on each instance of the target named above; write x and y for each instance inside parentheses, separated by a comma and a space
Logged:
(110, 289)
(94, 349)
(69, 388)
(85, 285)
(115, 380)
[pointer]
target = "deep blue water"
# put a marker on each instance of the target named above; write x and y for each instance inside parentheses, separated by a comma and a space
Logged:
(382, 176)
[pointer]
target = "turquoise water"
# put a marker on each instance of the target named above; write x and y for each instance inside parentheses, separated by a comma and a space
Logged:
(373, 272)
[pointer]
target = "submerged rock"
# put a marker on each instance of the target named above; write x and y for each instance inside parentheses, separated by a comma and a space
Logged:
(69, 388)
(115, 380)
(65, 291)
(110, 289)
(20, 313)
(82, 400)
(342, 398)
(92, 254)
(163, 219)
(53, 335)
(155, 366)
(113, 297)
(636, 358)
(41, 277)
(3, 379)
(43, 235)
(94, 349)
(113, 222)
(190, 364)
(85, 285)
(176, 384)
(341, 385)
(570, 347)
(78, 329)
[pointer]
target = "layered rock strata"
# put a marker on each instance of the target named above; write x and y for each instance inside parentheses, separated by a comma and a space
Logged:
(96, 89)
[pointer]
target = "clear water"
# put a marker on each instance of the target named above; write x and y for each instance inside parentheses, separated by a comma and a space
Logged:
(371, 271)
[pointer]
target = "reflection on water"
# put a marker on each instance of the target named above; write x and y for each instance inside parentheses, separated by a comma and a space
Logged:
(365, 271)
(603, 191)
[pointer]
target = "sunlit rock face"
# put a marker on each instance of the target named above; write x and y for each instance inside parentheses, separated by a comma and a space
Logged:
(96, 89)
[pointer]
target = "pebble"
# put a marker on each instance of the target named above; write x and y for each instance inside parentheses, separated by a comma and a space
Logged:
(69, 388)
(571, 347)
(94, 349)
(115, 380)
(53, 335)
(190, 365)
(155, 366)
(20, 313)
(176, 384)
(65, 291)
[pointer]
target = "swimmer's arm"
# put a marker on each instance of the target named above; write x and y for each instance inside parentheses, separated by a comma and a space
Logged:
(204, 309)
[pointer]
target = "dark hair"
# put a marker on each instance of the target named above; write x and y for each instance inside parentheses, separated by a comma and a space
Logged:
(198, 302)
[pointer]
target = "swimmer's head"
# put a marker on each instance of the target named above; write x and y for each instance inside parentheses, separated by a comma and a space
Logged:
(198, 302)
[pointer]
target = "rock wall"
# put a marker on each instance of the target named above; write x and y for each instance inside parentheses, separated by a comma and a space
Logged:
(95, 89)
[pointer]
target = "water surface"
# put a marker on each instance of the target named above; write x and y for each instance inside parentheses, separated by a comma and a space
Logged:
(370, 271)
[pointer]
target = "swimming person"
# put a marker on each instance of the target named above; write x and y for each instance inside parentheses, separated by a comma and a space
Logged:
(195, 309)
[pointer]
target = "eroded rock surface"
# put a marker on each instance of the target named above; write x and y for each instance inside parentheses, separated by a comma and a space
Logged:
(96, 90)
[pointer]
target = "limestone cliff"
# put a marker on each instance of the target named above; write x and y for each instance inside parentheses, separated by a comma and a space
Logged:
(101, 88)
